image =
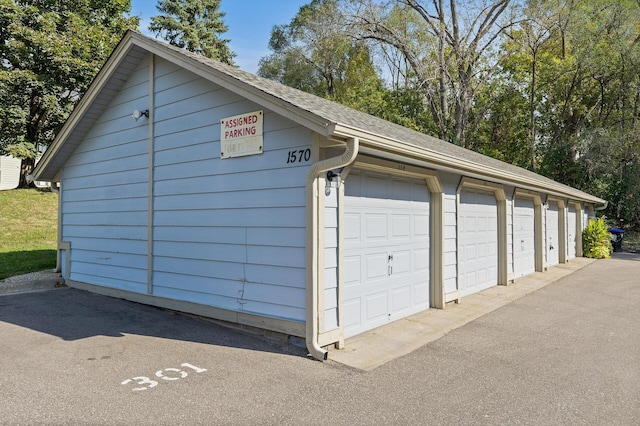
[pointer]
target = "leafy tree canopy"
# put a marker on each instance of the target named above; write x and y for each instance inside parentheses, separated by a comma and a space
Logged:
(50, 52)
(550, 85)
(195, 25)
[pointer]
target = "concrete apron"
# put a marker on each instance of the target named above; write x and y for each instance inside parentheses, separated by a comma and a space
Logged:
(374, 348)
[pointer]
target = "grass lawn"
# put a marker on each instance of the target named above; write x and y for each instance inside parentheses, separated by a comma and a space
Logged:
(28, 231)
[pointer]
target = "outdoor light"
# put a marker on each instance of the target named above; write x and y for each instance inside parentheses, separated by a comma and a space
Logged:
(137, 114)
(333, 181)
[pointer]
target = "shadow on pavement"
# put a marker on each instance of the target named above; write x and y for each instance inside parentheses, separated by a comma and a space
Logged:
(626, 256)
(72, 314)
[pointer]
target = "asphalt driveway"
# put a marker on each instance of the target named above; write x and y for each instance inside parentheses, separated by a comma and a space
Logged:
(566, 354)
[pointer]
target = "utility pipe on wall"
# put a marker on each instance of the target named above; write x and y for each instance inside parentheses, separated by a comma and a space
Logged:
(313, 250)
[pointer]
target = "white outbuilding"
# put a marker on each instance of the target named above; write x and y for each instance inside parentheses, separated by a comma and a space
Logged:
(9, 172)
(192, 185)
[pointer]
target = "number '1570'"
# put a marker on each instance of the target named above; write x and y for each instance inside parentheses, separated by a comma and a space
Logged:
(299, 155)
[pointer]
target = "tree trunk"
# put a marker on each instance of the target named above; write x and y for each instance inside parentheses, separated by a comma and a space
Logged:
(532, 116)
(28, 165)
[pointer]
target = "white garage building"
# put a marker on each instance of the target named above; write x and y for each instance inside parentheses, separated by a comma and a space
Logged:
(196, 186)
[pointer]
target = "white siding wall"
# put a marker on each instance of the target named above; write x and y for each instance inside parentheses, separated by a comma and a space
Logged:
(227, 233)
(331, 261)
(510, 249)
(104, 198)
(450, 184)
(545, 254)
(571, 231)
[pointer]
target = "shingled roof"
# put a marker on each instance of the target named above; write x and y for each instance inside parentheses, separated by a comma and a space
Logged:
(320, 115)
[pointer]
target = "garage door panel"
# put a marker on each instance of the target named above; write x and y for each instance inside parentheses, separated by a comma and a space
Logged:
(395, 244)
(376, 228)
(553, 246)
(478, 241)
(422, 294)
(400, 226)
(571, 231)
(523, 236)
(376, 306)
(421, 260)
(376, 266)
(352, 313)
(469, 224)
(401, 262)
(400, 299)
(351, 228)
(469, 252)
(421, 225)
(353, 268)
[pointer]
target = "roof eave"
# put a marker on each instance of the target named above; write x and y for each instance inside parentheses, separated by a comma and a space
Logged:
(442, 161)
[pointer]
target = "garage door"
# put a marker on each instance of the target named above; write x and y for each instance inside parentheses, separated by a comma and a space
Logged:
(386, 250)
(572, 224)
(553, 240)
(478, 233)
(524, 251)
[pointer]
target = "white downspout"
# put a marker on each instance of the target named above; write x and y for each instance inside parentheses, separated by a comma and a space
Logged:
(315, 170)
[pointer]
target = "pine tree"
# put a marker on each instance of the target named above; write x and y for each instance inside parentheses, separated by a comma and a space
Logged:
(195, 25)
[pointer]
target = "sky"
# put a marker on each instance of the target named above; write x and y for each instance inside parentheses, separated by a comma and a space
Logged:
(249, 22)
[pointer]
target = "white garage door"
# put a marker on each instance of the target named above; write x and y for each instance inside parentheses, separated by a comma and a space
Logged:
(572, 224)
(524, 251)
(553, 240)
(386, 250)
(478, 233)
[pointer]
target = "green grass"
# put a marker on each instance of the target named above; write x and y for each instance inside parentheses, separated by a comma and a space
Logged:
(28, 231)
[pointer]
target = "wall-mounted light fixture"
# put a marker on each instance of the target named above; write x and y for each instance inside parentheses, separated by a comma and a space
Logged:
(333, 181)
(137, 114)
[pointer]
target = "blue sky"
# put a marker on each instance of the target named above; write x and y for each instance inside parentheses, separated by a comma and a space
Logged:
(249, 21)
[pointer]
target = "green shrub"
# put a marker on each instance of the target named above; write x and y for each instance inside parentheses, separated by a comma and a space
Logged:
(596, 241)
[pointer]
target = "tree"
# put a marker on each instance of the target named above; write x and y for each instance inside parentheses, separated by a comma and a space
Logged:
(50, 52)
(195, 25)
(585, 93)
(317, 52)
(314, 51)
(445, 48)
